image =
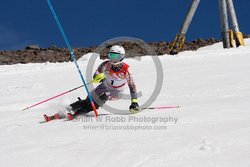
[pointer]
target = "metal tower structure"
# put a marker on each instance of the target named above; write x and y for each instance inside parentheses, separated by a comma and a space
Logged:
(226, 7)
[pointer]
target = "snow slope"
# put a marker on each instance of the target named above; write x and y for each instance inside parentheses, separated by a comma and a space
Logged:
(211, 129)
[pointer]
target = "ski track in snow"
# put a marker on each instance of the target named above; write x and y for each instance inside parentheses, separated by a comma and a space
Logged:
(211, 85)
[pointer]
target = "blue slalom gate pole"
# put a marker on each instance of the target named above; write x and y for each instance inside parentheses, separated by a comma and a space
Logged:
(72, 56)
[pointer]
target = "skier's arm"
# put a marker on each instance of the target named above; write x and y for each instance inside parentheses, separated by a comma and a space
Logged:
(131, 85)
(98, 75)
(134, 107)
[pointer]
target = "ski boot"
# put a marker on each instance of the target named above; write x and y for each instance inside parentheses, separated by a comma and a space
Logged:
(49, 118)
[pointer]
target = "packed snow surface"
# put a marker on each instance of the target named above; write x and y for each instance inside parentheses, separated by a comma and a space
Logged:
(210, 129)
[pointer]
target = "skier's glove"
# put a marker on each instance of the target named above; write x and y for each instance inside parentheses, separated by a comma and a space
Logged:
(98, 78)
(134, 107)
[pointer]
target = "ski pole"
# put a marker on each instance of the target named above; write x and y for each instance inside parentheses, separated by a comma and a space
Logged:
(72, 56)
(53, 97)
(160, 107)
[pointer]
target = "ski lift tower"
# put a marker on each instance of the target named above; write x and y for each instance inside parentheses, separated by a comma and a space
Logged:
(228, 35)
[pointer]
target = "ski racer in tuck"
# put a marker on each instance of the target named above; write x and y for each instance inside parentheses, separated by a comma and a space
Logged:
(113, 75)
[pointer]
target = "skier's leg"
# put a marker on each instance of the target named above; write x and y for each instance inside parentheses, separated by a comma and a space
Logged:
(84, 106)
(77, 105)
(99, 102)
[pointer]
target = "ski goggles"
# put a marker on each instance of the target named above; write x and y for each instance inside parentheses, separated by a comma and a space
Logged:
(115, 56)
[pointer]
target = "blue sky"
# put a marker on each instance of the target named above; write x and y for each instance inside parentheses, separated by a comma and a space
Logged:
(91, 22)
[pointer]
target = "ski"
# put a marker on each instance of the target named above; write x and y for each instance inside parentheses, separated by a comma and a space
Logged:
(71, 116)
(48, 118)
(52, 117)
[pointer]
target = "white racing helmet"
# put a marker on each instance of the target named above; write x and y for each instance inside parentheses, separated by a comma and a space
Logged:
(116, 54)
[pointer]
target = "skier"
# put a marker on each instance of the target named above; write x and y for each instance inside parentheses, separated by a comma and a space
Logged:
(113, 75)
